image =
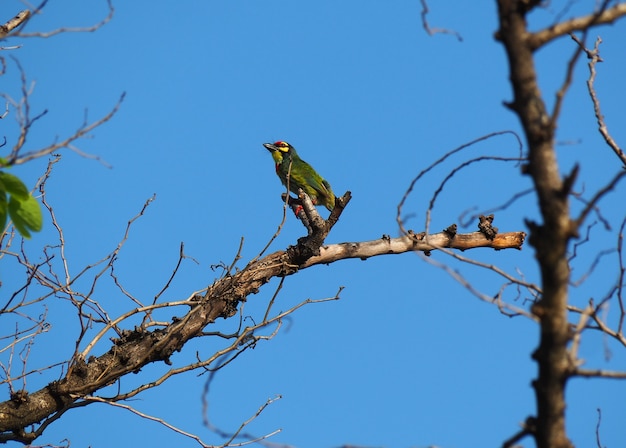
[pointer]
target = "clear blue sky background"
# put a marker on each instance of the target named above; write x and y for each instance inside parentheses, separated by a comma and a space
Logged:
(407, 357)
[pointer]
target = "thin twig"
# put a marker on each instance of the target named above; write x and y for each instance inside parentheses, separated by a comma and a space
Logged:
(17, 159)
(596, 198)
(594, 58)
(87, 29)
(94, 399)
(569, 76)
(421, 174)
(433, 31)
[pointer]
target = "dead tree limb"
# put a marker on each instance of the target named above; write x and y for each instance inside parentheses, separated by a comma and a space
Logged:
(135, 349)
(549, 238)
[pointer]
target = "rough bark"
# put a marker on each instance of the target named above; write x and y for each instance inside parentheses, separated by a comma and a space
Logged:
(140, 347)
(549, 238)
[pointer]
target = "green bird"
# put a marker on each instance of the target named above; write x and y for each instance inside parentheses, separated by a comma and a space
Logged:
(295, 173)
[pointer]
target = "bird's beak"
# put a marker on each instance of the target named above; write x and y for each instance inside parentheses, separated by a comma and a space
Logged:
(270, 147)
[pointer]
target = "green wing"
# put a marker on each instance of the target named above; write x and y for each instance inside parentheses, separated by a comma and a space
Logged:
(319, 189)
(304, 176)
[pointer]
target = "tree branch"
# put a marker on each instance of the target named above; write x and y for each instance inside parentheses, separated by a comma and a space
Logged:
(594, 58)
(135, 349)
(86, 29)
(16, 21)
(414, 242)
(550, 238)
(603, 17)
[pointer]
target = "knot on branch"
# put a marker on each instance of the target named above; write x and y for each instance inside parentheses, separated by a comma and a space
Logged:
(485, 227)
(317, 227)
(416, 236)
(126, 336)
(451, 231)
(19, 397)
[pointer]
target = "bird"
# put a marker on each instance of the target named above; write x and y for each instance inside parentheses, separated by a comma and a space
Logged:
(295, 173)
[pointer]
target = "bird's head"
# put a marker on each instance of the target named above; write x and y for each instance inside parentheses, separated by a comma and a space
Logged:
(279, 150)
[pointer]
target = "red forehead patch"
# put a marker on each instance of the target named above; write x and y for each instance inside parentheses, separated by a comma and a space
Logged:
(280, 143)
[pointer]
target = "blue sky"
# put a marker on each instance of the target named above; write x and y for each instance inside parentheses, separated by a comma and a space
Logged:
(407, 357)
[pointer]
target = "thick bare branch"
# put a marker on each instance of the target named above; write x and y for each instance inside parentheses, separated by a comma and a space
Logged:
(16, 21)
(550, 238)
(605, 16)
(137, 348)
(414, 242)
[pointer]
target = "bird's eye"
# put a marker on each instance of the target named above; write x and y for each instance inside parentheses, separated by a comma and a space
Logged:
(280, 144)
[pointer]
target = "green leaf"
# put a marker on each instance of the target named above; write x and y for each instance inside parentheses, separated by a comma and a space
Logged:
(26, 215)
(4, 210)
(13, 185)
